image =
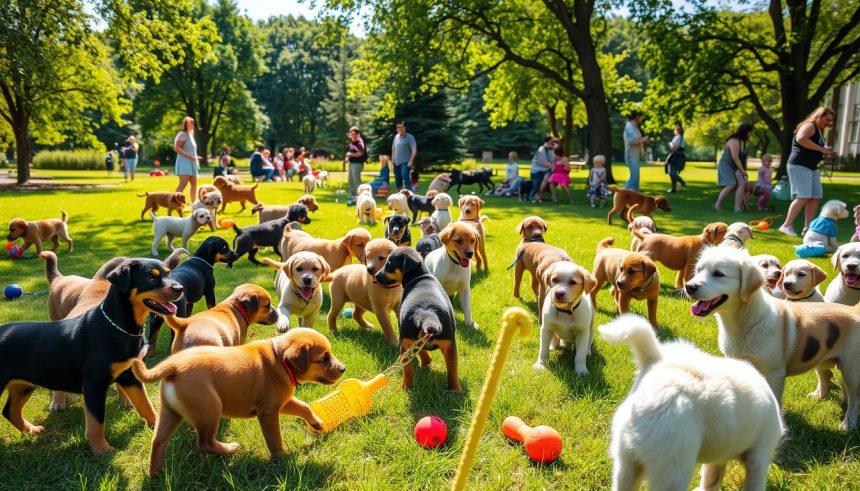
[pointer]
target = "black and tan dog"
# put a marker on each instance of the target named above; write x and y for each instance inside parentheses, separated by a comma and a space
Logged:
(85, 354)
(424, 308)
(481, 178)
(197, 277)
(397, 230)
(418, 203)
(267, 234)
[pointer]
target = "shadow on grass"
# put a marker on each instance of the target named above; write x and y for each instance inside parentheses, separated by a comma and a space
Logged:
(805, 445)
(373, 342)
(430, 395)
(561, 364)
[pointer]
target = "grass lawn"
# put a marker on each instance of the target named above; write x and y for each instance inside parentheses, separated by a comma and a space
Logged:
(378, 451)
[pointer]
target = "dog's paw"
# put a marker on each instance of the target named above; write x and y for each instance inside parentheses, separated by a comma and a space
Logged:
(539, 366)
(33, 429)
(58, 406)
(472, 324)
(581, 370)
(847, 425)
(283, 324)
(816, 394)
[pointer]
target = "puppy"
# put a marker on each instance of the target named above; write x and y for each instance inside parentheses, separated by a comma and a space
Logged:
(398, 203)
(439, 184)
(631, 276)
(799, 281)
(644, 224)
(779, 338)
(683, 409)
(227, 323)
(231, 193)
(172, 201)
(309, 201)
(625, 198)
(397, 230)
(202, 385)
(470, 211)
(772, 271)
(357, 283)
(365, 206)
(427, 227)
(737, 235)
(680, 253)
(845, 288)
(418, 203)
(567, 315)
(535, 256)
(173, 227)
(298, 285)
(451, 266)
(441, 217)
(425, 309)
(87, 353)
(337, 253)
(524, 190)
(309, 183)
(822, 230)
(39, 231)
(267, 234)
(268, 213)
(322, 179)
(211, 201)
(428, 244)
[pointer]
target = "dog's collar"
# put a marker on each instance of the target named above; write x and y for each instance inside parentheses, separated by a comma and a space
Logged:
(284, 364)
(646, 285)
(238, 306)
(211, 266)
(802, 298)
(533, 239)
(568, 311)
(376, 283)
(455, 258)
(115, 325)
(736, 239)
(473, 220)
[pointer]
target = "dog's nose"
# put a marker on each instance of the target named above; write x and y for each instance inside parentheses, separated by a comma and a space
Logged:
(369, 270)
(341, 368)
(851, 267)
(467, 210)
(469, 254)
(619, 284)
(176, 288)
(559, 294)
(789, 285)
(691, 288)
(306, 280)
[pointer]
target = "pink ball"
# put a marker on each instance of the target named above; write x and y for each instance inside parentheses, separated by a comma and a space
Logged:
(15, 251)
(431, 432)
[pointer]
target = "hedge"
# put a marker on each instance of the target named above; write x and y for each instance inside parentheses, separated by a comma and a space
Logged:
(71, 159)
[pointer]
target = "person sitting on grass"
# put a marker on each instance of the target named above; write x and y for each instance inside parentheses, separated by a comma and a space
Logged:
(384, 179)
(512, 181)
(259, 164)
(764, 183)
(560, 176)
(597, 181)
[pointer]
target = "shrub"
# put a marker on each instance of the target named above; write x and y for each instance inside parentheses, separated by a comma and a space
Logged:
(82, 159)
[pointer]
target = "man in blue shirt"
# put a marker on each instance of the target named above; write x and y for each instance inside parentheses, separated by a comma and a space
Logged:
(403, 150)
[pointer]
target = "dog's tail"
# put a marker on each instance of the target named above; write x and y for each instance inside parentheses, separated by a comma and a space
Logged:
(158, 372)
(257, 208)
(639, 235)
(255, 186)
(630, 211)
(51, 271)
(605, 243)
(153, 215)
(636, 332)
(237, 229)
(427, 321)
(175, 257)
(178, 324)
(142, 195)
(613, 188)
(64, 217)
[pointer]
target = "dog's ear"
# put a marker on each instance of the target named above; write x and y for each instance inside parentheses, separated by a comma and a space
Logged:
(299, 356)
(543, 224)
(326, 269)
(121, 277)
(445, 234)
(749, 230)
(461, 201)
(520, 227)
(650, 267)
(818, 275)
(752, 278)
(251, 302)
(286, 266)
(407, 221)
(588, 281)
(780, 279)
(547, 273)
(836, 259)
(410, 265)
(480, 202)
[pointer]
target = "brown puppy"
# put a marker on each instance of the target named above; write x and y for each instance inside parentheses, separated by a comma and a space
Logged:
(171, 201)
(39, 231)
(632, 276)
(535, 256)
(227, 323)
(309, 201)
(625, 198)
(799, 281)
(470, 211)
(680, 253)
(337, 253)
(231, 192)
(204, 384)
(357, 283)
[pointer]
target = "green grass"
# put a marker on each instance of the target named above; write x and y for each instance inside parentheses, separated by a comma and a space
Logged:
(378, 451)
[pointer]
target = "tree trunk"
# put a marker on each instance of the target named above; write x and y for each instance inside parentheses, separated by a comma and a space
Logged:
(599, 132)
(568, 128)
(202, 137)
(22, 149)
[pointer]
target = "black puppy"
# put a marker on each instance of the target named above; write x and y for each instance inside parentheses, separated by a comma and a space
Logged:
(267, 234)
(424, 309)
(418, 203)
(197, 277)
(397, 229)
(85, 354)
(481, 178)
(428, 244)
(525, 189)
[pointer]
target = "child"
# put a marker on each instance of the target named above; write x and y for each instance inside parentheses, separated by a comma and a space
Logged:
(279, 167)
(109, 163)
(763, 185)
(384, 179)
(560, 176)
(597, 181)
(512, 177)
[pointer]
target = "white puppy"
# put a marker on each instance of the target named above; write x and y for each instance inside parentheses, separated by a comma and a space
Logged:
(845, 288)
(451, 264)
(643, 224)
(772, 272)
(398, 204)
(298, 285)
(173, 227)
(685, 407)
(442, 216)
(322, 179)
(365, 205)
(209, 200)
(737, 235)
(309, 182)
(822, 230)
(800, 280)
(568, 315)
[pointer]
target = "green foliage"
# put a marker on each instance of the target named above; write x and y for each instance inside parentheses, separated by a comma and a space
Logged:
(342, 108)
(81, 159)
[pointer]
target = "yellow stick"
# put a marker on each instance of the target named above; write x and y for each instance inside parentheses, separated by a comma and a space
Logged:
(513, 319)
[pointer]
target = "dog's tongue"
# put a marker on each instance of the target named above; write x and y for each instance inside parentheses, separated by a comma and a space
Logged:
(771, 284)
(464, 262)
(169, 307)
(307, 292)
(702, 306)
(851, 279)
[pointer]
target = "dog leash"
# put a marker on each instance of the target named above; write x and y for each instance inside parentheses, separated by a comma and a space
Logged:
(526, 241)
(407, 356)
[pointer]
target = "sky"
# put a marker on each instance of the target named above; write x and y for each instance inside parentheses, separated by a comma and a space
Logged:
(263, 9)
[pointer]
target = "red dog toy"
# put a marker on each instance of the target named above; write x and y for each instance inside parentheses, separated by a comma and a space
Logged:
(431, 432)
(542, 443)
(764, 223)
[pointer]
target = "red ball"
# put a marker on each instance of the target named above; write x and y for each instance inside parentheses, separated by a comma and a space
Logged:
(431, 432)
(543, 444)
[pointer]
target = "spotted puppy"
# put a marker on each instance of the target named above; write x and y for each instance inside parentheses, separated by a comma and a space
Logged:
(799, 281)
(39, 231)
(172, 227)
(298, 285)
(397, 229)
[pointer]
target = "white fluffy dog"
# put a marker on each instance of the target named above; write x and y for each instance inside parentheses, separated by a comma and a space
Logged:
(685, 407)
(322, 179)
(365, 205)
(173, 227)
(309, 182)
(442, 216)
(209, 200)
(845, 288)
(822, 230)
(398, 204)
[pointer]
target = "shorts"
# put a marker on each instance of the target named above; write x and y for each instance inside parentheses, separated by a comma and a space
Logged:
(805, 183)
(130, 165)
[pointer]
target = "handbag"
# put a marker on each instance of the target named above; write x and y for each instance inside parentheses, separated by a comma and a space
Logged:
(782, 191)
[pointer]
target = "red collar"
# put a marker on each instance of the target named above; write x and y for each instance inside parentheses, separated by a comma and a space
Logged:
(284, 364)
(242, 311)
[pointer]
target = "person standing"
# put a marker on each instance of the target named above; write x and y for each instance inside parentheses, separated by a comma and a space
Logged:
(403, 151)
(634, 148)
(187, 161)
(677, 159)
(223, 163)
(356, 155)
(541, 165)
(732, 167)
(807, 150)
(132, 149)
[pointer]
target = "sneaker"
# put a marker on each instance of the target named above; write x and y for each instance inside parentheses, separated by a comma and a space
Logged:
(670, 190)
(788, 230)
(592, 205)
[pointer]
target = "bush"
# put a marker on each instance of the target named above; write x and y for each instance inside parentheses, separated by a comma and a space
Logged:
(71, 159)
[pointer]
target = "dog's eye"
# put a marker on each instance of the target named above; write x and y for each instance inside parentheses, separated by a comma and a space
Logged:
(631, 271)
(801, 274)
(315, 269)
(718, 274)
(572, 282)
(554, 280)
(324, 359)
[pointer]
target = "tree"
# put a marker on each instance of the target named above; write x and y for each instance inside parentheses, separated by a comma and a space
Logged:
(782, 60)
(342, 108)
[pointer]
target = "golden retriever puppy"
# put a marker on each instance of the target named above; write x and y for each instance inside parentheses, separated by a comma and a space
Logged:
(337, 253)
(631, 276)
(309, 201)
(365, 206)
(470, 211)
(231, 193)
(680, 253)
(38, 231)
(298, 285)
(398, 204)
(799, 281)
(845, 288)
(737, 235)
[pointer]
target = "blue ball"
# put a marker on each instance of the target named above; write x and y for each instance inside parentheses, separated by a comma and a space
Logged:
(347, 313)
(13, 291)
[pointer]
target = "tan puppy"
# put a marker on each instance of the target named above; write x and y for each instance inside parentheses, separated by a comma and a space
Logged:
(438, 185)
(626, 198)
(227, 323)
(267, 213)
(799, 281)
(442, 216)
(398, 204)
(337, 253)
(39, 231)
(632, 276)
(171, 201)
(204, 384)
(534, 256)
(470, 211)
(680, 253)
(232, 193)
(309, 182)
(357, 283)
(737, 235)
(772, 271)
(309, 201)
(298, 285)
(643, 224)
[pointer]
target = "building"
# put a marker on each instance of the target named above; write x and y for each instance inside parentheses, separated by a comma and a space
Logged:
(846, 138)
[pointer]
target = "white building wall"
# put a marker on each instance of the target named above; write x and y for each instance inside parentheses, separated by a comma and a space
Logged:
(847, 125)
